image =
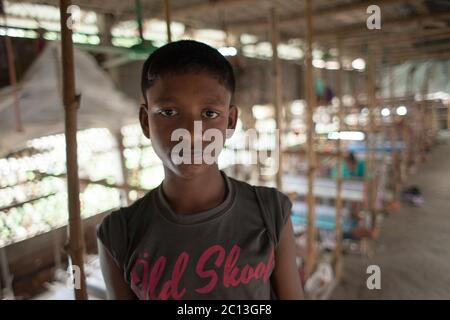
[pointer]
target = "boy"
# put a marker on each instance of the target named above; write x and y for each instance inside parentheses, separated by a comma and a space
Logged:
(200, 234)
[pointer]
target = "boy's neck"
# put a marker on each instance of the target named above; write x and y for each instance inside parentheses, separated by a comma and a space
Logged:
(196, 194)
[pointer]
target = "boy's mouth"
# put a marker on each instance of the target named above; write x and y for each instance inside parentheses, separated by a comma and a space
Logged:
(194, 154)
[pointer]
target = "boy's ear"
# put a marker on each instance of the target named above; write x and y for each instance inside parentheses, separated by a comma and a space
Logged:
(143, 119)
(232, 120)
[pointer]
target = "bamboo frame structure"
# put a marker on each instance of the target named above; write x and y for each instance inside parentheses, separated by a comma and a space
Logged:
(71, 103)
(277, 93)
(310, 100)
(75, 247)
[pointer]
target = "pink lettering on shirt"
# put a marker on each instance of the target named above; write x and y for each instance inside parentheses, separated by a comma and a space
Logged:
(146, 280)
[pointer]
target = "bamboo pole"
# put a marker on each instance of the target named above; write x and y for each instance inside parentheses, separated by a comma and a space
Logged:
(13, 78)
(57, 252)
(448, 117)
(167, 11)
(393, 136)
(406, 126)
(75, 245)
(277, 93)
(138, 10)
(310, 99)
(120, 149)
(6, 277)
(424, 112)
(339, 179)
(370, 167)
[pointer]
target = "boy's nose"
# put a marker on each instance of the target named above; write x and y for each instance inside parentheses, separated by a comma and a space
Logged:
(191, 123)
(195, 128)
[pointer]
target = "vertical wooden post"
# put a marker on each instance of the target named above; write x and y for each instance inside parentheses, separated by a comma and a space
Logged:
(167, 11)
(370, 167)
(448, 117)
(120, 150)
(138, 9)
(6, 277)
(419, 156)
(57, 251)
(434, 124)
(75, 246)
(408, 121)
(339, 179)
(13, 77)
(393, 138)
(277, 94)
(425, 112)
(310, 100)
(106, 23)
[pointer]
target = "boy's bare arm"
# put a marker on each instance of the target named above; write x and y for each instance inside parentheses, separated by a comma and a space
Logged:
(116, 287)
(285, 277)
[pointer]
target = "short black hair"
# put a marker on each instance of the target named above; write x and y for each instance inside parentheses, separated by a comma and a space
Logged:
(186, 56)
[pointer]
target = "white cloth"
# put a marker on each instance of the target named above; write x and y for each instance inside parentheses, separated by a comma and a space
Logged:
(42, 111)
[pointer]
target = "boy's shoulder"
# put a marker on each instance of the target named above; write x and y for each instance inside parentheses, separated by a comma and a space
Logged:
(122, 217)
(275, 206)
(268, 193)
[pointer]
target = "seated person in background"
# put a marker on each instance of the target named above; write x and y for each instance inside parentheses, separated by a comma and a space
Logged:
(352, 168)
(358, 230)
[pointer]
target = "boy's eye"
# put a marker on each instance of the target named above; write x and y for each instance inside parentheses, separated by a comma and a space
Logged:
(210, 114)
(168, 113)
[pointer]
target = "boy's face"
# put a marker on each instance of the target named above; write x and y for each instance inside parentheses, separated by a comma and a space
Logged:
(177, 102)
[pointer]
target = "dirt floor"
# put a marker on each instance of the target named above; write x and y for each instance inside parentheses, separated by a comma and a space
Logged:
(413, 251)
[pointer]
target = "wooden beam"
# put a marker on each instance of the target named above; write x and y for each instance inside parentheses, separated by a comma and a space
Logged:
(75, 246)
(424, 50)
(310, 133)
(168, 14)
(393, 40)
(420, 32)
(21, 203)
(325, 13)
(361, 28)
(98, 7)
(203, 7)
(277, 92)
(418, 56)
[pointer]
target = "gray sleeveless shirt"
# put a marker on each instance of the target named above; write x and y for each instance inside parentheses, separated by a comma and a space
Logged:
(227, 252)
